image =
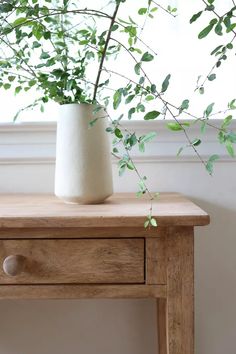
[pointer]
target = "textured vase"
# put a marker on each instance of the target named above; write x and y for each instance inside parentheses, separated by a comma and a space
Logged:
(83, 160)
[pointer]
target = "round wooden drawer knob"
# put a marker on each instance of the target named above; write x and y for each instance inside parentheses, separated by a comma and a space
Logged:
(14, 265)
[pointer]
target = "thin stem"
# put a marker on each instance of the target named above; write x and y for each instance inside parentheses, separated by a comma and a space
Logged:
(151, 197)
(30, 70)
(162, 8)
(158, 95)
(105, 50)
(220, 58)
(16, 74)
(139, 39)
(133, 57)
(213, 67)
(83, 12)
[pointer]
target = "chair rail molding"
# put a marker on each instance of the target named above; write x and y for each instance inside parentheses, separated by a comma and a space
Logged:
(35, 143)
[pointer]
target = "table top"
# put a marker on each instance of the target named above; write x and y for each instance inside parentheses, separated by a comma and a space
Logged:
(120, 210)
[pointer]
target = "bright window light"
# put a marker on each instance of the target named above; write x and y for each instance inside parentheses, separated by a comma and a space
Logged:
(179, 53)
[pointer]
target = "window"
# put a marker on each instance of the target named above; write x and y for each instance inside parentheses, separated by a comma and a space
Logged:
(179, 52)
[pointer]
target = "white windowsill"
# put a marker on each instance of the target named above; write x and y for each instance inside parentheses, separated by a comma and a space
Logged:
(34, 143)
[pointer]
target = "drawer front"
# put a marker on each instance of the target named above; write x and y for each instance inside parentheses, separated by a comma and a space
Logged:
(83, 261)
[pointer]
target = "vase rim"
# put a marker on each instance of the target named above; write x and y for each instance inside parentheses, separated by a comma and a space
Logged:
(79, 104)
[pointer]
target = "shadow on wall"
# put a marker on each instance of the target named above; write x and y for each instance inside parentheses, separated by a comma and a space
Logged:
(215, 274)
(78, 326)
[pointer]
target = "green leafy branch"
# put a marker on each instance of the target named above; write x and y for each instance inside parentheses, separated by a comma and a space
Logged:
(218, 24)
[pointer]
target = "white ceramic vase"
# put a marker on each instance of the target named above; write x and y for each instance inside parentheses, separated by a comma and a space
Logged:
(83, 160)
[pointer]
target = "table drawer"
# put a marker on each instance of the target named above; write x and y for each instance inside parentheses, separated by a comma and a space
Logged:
(83, 261)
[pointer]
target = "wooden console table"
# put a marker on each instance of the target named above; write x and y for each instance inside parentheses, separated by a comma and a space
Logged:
(51, 250)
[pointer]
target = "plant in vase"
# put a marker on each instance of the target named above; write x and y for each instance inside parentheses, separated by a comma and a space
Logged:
(62, 49)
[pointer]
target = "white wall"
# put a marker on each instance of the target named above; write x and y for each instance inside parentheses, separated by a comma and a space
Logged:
(125, 326)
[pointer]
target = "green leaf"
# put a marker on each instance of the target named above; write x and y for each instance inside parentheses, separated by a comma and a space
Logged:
(36, 45)
(229, 46)
(137, 68)
(210, 8)
(195, 16)
(32, 83)
(3, 63)
(114, 28)
(165, 83)
(93, 122)
(133, 139)
(211, 77)
(154, 9)
(201, 90)
(149, 98)
(230, 148)
(175, 126)
(129, 99)
(203, 127)
(216, 49)
(151, 115)
(97, 109)
(227, 22)
(147, 57)
(11, 78)
(141, 147)
(37, 31)
(132, 49)
(209, 110)
(226, 121)
(118, 133)
(179, 151)
(148, 137)
(117, 98)
(18, 89)
(7, 86)
(139, 194)
(146, 224)
(207, 29)
(131, 112)
(210, 162)
(142, 11)
(153, 222)
(184, 105)
(153, 88)
(219, 28)
(196, 142)
(130, 165)
(6, 7)
(19, 21)
(140, 108)
(44, 55)
(232, 105)
(231, 136)
(47, 35)
(122, 170)
(109, 130)
(141, 80)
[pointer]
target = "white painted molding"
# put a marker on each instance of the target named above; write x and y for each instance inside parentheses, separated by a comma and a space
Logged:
(34, 143)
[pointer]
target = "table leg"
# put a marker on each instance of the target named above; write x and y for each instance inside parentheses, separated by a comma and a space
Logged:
(176, 313)
(162, 326)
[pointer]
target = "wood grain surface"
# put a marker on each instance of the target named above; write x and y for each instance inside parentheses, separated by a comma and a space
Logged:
(82, 291)
(76, 261)
(176, 312)
(80, 232)
(120, 210)
(156, 261)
